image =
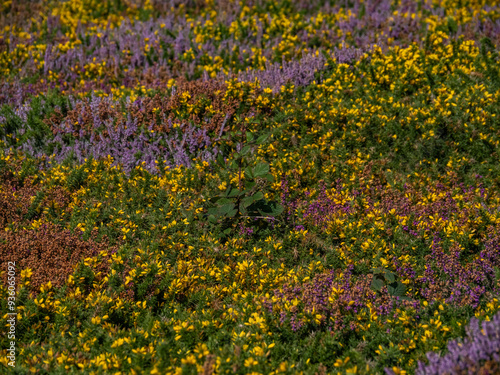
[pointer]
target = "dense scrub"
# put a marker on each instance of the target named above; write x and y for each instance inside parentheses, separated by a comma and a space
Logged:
(251, 187)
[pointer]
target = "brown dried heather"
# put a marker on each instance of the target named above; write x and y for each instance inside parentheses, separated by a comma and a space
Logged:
(81, 117)
(315, 296)
(50, 252)
(202, 93)
(15, 201)
(54, 120)
(209, 109)
(16, 198)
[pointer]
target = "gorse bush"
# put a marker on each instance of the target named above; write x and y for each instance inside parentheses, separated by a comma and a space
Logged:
(250, 186)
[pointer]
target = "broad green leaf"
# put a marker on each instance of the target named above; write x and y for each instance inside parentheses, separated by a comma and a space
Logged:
(248, 173)
(244, 192)
(226, 210)
(259, 195)
(224, 201)
(249, 185)
(250, 137)
(247, 201)
(243, 209)
(233, 193)
(212, 211)
(278, 210)
(269, 177)
(212, 219)
(245, 150)
(261, 139)
(397, 289)
(389, 276)
(261, 169)
(377, 284)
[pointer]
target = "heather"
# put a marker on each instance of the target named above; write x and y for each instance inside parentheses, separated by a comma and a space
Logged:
(251, 186)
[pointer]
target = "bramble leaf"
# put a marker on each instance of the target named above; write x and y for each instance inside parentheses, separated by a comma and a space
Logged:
(248, 173)
(397, 289)
(389, 276)
(245, 150)
(227, 210)
(247, 201)
(261, 139)
(377, 284)
(235, 192)
(224, 201)
(259, 195)
(261, 169)
(269, 177)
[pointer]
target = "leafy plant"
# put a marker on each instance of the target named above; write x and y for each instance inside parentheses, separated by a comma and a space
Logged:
(247, 199)
(383, 277)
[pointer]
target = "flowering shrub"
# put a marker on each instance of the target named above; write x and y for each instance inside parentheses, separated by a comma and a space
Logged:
(259, 187)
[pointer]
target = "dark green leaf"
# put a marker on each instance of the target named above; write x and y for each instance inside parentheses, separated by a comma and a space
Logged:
(278, 210)
(247, 201)
(212, 211)
(269, 177)
(226, 210)
(257, 196)
(249, 185)
(235, 192)
(397, 289)
(248, 173)
(245, 150)
(224, 201)
(377, 284)
(250, 137)
(261, 139)
(389, 276)
(269, 209)
(261, 169)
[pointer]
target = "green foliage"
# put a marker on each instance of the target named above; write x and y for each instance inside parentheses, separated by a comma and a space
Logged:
(76, 179)
(34, 208)
(247, 200)
(383, 277)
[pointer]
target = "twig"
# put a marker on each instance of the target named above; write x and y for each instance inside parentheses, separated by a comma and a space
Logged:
(222, 127)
